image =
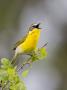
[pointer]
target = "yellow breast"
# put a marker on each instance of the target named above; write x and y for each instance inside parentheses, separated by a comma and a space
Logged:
(31, 41)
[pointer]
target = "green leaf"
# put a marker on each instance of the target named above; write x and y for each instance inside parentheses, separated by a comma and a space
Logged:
(43, 53)
(10, 71)
(18, 86)
(25, 73)
(5, 63)
(9, 74)
(39, 54)
(3, 75)
(34, 58)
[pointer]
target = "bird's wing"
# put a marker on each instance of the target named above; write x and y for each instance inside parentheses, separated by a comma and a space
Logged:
(19, 42)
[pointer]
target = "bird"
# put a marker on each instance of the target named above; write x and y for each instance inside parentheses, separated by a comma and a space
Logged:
(28, 43)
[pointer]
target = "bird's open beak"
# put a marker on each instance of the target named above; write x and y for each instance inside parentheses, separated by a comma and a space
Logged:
(37, 26)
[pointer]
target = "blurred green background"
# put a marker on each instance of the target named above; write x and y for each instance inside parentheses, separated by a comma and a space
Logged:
(15, 18)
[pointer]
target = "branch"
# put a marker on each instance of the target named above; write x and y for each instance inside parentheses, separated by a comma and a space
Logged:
(44, 45)
(29, 61)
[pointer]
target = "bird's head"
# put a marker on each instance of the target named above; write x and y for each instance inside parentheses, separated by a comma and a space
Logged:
(34, 29)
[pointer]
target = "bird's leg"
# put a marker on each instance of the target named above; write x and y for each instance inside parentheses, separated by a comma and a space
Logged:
(14, 58)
